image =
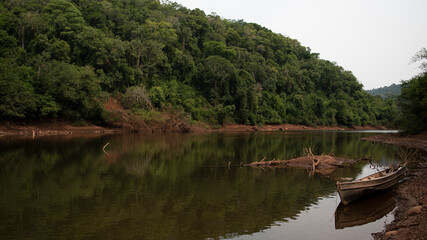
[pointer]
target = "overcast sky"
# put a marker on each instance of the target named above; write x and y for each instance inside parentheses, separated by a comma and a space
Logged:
(375, 39)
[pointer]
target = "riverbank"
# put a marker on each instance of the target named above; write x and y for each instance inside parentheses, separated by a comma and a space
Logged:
(411, 196)
(288, 127)
(65, 128)
(51, 128)
(418, 141)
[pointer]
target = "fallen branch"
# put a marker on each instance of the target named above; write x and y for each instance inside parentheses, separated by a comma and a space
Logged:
(323, 164)
(103, 149)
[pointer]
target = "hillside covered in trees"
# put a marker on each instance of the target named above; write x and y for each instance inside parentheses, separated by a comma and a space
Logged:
(64, 59)
(387, 91)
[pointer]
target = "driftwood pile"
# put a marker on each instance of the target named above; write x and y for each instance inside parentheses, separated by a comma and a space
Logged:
(323, 164)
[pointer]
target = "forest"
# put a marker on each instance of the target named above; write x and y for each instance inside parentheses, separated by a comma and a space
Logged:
(387, 91)
(64, 59)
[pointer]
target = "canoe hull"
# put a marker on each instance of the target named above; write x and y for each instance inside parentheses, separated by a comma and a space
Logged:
(352, 191)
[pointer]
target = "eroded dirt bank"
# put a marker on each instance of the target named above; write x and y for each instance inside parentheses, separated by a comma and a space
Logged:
(411, 196)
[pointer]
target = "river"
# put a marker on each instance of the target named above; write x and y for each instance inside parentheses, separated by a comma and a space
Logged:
(180, 186)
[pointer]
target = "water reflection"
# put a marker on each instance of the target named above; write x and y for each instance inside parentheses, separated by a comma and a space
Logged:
(364, 211)
(163, 186)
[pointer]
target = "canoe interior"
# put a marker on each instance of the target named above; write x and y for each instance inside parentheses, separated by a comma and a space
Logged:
(378, 174)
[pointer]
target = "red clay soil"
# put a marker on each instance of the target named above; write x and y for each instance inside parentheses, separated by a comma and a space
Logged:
(411, 196)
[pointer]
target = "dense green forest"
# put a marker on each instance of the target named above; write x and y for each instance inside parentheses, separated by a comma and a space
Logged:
(387, 91)
(63, 59)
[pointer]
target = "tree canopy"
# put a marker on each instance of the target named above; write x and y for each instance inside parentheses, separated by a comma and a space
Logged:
(387, 91)
(60, 59)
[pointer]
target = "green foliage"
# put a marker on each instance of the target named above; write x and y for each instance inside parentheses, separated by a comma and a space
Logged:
(75, 89)
(17, 98)
(157, 96)
(58, 58)
(149, 115)
(413, 102)
(224, 114)
(63, 18)
(218, 48)
(48, 107)
(217, 80)
(389, 91)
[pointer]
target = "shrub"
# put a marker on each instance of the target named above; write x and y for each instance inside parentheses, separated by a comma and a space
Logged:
(136, 97)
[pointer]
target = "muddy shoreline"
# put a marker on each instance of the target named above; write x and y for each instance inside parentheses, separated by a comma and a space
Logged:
(51, 129)
(64, 128)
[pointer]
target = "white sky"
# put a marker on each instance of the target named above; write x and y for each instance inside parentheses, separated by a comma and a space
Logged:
(375, 39)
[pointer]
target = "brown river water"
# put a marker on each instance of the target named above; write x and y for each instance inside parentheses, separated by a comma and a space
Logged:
(184, 186)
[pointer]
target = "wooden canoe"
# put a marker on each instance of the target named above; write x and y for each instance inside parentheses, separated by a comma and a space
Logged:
(351, 191)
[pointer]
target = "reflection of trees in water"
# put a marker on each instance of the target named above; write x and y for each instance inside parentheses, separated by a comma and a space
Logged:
(173, 186)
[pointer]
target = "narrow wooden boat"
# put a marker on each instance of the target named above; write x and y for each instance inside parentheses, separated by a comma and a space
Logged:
(351, 191)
